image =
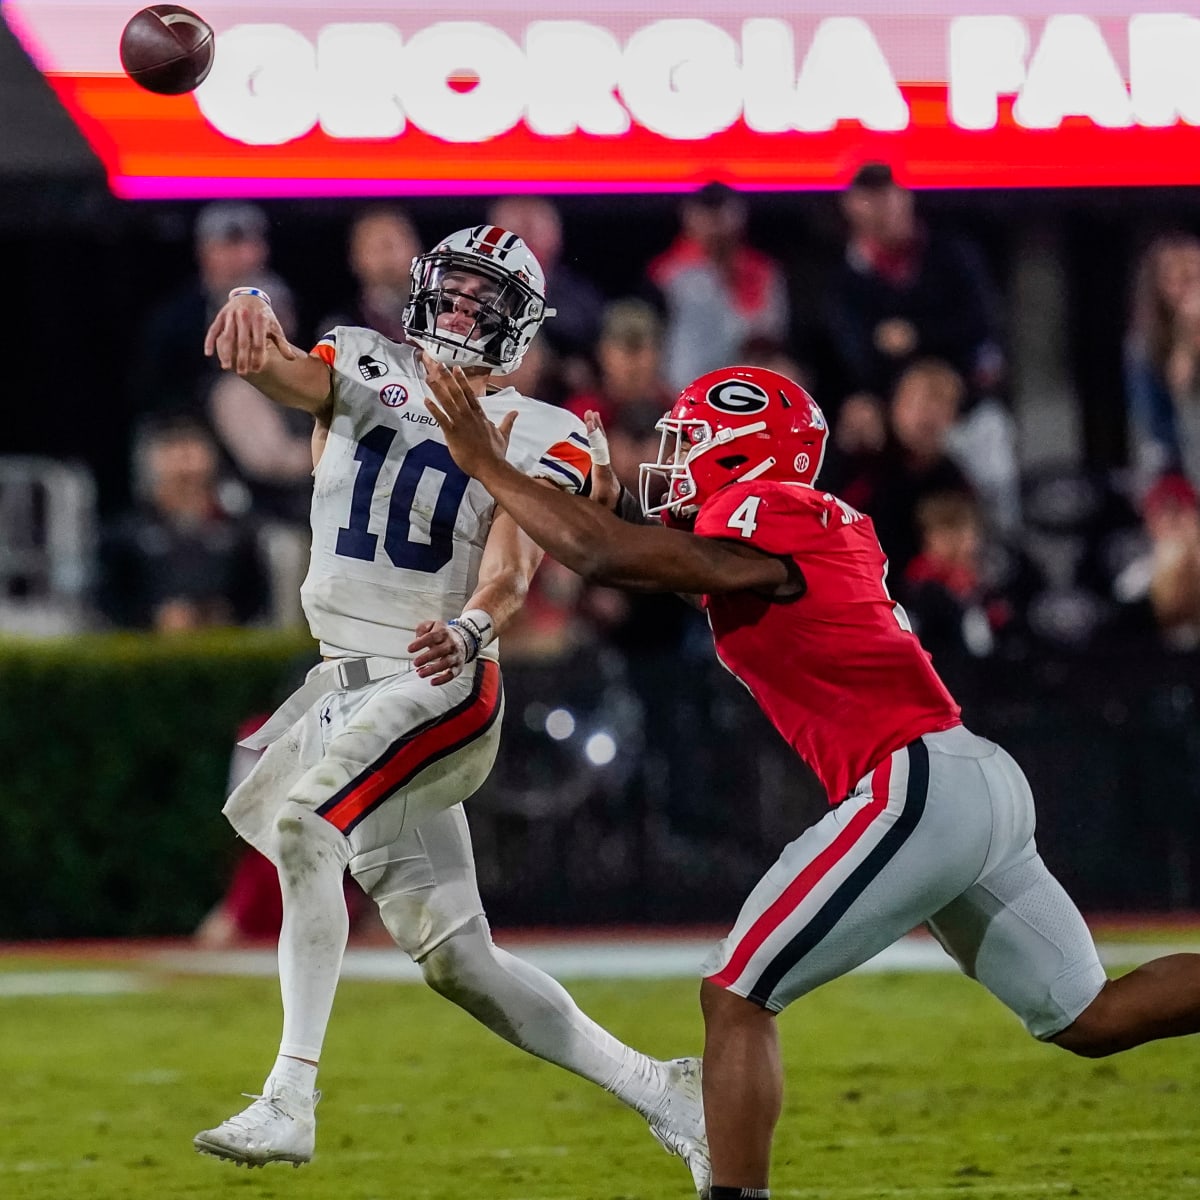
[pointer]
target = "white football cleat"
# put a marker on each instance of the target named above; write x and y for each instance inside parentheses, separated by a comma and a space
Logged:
(276, 1128)
(678, 1123)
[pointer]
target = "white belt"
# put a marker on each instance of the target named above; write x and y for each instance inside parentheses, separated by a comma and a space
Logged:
(338, 675)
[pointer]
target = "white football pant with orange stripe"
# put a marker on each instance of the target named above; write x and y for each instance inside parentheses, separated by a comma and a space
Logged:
(376, 761)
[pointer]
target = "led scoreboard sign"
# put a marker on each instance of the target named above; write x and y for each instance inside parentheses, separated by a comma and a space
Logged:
(403, 98)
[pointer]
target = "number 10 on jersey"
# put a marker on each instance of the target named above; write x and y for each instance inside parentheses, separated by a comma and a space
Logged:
(355, 539)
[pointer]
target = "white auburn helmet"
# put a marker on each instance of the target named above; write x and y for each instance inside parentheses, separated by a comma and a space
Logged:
(508, 310)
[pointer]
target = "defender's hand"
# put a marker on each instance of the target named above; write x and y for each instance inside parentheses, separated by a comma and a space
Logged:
(474, 442)
(606, 487)
(443, 652)
(241, 332)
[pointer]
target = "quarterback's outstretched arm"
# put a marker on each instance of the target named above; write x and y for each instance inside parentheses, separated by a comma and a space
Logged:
(246, 337)
(584, 536)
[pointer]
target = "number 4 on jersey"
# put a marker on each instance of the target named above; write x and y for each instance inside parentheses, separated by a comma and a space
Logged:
(744, 518)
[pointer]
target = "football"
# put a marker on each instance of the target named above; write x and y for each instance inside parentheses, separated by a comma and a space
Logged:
(167, 49)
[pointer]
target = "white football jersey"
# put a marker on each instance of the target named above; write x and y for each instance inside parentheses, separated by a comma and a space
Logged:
(397, 529)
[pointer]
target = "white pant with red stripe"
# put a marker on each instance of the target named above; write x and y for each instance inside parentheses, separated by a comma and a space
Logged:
(388, 765)
(939, 834)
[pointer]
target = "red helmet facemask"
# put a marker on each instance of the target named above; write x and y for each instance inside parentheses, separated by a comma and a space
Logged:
(739, 423)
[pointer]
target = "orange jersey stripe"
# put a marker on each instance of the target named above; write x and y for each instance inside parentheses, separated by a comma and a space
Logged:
(325, 352)
(573, 455)
(417, 750)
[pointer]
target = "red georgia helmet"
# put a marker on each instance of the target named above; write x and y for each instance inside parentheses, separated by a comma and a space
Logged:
(738, 423)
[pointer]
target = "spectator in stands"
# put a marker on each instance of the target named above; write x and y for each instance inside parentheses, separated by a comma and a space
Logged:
(169, 371)
(888, 483)
(382, 245)
(955, 611)
(717, 291)
(1161, 589)
(178, 562)
(268, 449)
(766, 352)
(629, 400)
(906, 292)
(1162, 359)
(860, 435)
(630, 395)
(570, 336)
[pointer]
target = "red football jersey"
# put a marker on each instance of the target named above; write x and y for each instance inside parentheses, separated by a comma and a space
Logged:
(837, 670)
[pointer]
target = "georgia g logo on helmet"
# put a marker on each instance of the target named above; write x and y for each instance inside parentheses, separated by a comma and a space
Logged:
(739, 397)
(736, 424)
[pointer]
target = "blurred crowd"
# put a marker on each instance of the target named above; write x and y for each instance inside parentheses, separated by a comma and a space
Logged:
(991, 561)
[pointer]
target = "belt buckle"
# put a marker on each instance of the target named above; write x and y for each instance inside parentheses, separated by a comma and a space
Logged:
(354, 674)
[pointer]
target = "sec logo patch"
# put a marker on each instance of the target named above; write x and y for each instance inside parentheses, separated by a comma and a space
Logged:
(394, 395)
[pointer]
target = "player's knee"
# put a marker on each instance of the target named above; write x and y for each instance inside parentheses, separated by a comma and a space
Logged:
(1094, 1033)
(457, 968)
(443, 968)
(720, 1006)
(302, 838)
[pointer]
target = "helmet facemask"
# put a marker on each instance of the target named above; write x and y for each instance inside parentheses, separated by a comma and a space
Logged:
(467, 311)
(669, 487)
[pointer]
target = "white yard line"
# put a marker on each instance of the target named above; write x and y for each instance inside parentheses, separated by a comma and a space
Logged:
(71, 983)
(603, 959)
(567, 958)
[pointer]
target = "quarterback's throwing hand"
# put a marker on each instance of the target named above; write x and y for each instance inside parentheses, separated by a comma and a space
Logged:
(474, 442)
(241, 333)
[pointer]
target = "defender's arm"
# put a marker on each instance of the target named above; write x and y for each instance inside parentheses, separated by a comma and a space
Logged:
(604, 549)
(584, 536)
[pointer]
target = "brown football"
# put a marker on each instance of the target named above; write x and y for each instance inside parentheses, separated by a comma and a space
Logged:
(167, 49)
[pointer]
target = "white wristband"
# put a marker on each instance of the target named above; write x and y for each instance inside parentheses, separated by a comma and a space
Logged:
(478, 628)
(481, 624)
(249, 291)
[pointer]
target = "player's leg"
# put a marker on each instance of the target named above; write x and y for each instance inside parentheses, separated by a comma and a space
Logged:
(1020, 934)
(358, 796)
(279, 1126)
(428, 896)
(743, 1084)
(1159, 999)
(876, 866)
(352, 797)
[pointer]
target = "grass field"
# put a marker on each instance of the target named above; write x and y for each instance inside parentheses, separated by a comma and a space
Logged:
(899, 1085)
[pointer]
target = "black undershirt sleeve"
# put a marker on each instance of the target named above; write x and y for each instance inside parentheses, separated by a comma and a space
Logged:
(629, 509)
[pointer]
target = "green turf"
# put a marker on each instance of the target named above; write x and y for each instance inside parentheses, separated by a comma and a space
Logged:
(905, 1085)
